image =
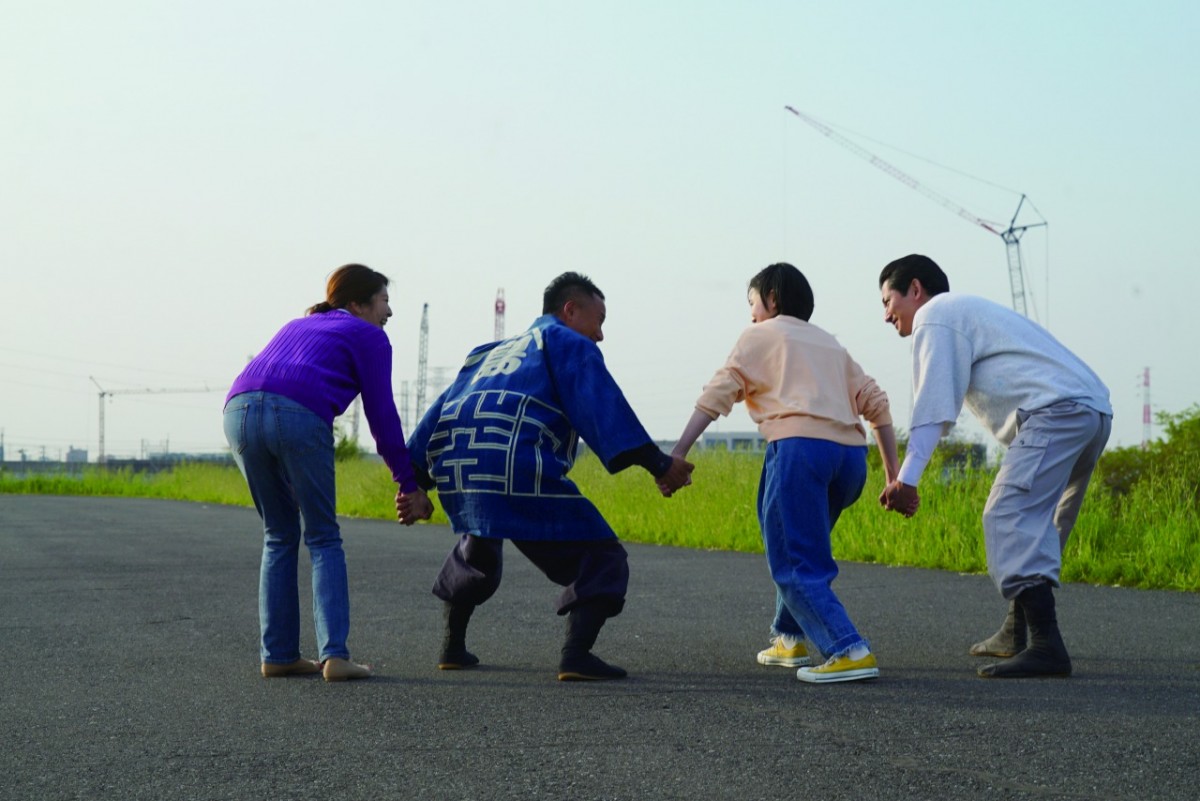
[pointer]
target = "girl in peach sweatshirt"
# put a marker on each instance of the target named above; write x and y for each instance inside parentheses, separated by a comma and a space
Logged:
(808, 397)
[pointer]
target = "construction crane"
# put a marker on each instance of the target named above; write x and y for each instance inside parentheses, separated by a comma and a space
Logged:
(108, 393)
(422, 360)
(499, 332)
(1011, 235)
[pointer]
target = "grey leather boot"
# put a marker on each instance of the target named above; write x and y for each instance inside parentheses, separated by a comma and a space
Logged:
(1046, 655)
(1009, 640)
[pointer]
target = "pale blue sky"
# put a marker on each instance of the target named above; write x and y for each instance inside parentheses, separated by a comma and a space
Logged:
(179, 179)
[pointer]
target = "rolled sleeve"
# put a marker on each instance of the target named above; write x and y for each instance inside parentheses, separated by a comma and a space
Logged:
(873, 404)
(720, 394)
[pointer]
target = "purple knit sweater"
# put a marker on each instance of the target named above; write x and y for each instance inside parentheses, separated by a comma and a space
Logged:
(322, 361)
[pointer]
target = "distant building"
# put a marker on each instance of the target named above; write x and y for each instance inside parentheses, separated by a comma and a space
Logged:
(75, 455)
(740, 441)
(733, 441)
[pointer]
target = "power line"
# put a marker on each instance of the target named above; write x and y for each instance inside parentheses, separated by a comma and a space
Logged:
(918, 157)
(1010, 235)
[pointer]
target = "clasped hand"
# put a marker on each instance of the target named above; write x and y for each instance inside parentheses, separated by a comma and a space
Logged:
(677, 477)
(413, 506)
(901, 498)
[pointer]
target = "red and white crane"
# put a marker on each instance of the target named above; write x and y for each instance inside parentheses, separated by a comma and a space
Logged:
(499, 331)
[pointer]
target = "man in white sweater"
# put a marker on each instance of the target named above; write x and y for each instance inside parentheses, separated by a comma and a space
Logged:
(1042, 403)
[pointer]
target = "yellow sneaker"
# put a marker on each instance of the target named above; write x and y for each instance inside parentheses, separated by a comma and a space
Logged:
(840, 668)
(780, 654)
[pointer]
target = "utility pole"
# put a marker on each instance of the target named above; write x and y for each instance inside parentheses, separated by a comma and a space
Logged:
(1146, 409)
(100, 454)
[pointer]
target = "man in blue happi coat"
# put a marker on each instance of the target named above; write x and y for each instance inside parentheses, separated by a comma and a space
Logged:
(498, 444)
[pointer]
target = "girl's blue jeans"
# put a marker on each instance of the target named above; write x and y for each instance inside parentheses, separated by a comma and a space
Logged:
(285, 451)
(805, 485)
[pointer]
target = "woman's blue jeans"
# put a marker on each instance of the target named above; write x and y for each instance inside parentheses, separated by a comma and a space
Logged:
(805, 485)
(285, 451)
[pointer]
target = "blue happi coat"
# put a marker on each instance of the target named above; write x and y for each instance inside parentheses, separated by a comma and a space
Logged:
(500, 440)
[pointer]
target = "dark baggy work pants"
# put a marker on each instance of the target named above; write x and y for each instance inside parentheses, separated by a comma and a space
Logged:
(590, 571)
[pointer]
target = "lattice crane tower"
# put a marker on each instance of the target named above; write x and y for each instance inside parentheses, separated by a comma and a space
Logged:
(423, 361)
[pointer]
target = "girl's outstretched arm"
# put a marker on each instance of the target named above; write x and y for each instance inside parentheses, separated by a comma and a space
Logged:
(885, 440)
(695, 427)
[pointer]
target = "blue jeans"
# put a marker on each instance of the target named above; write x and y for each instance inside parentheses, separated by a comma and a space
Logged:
(285, 451)
(805, 485)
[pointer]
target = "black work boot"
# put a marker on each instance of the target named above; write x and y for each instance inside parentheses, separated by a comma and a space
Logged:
(1046, 655)
(578, 662)
(455, 655)
(1009, 640)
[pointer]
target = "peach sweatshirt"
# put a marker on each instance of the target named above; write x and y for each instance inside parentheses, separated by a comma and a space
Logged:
(797, 381)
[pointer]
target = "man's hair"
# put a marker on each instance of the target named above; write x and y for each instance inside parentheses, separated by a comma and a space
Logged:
(899, 275)
(568, 286)
(789, 288)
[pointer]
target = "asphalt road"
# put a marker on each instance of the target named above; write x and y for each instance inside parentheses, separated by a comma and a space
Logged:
(132, 673)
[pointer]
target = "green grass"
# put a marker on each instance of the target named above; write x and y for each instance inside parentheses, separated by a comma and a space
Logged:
(208, 483)
(1148, 537)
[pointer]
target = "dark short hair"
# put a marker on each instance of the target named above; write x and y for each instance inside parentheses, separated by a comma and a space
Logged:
(899, 275)
(568, 286)
(788, 286)
(350, 283)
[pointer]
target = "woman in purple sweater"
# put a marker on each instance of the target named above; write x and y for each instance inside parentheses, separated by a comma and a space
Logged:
(279, 422)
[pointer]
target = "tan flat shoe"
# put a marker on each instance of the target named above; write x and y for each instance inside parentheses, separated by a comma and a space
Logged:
(337, 669)
(272, 670)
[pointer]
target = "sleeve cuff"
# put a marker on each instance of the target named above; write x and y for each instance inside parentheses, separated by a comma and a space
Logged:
(922, 441)
(649, 456)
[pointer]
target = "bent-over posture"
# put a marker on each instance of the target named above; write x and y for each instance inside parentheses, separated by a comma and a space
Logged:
(498, 444)
(1039, 400)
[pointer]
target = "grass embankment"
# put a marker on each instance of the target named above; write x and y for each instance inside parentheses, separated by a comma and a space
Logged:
(1148, 537)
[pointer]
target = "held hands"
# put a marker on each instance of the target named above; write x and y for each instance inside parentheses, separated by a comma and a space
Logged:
(677, 477)
(413, 506)
(901, 498)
